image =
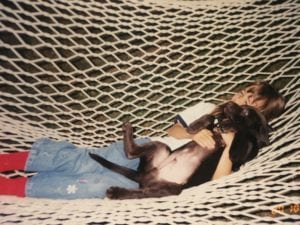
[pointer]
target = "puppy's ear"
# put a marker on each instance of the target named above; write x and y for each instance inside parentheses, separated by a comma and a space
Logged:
(263, 137)
(270, 128)
(242, 150)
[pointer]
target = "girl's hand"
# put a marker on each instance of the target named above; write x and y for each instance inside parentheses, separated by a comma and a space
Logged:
(205, 139)
(228, 138)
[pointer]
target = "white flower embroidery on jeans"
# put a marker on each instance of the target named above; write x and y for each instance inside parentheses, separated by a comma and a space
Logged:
(71, 189)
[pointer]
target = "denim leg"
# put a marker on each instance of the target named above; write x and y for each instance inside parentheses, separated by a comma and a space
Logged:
(63, 186)
(59, 156)
(62, 156)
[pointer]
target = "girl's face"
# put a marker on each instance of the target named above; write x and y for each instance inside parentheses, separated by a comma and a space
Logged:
(246, 97)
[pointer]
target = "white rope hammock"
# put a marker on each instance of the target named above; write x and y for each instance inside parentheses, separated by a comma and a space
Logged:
(75, 69)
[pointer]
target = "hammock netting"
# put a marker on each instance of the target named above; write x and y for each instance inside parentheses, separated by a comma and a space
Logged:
(76, 70)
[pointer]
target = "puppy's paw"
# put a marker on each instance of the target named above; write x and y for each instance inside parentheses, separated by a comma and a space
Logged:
(115, 192)
(126, 126)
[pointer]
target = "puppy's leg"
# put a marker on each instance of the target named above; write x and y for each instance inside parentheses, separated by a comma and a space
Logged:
(160, 190)
(132, 150)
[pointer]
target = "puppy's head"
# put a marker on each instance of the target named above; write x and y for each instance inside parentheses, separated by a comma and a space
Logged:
(230, 116)
(246, 119)
(251, 132)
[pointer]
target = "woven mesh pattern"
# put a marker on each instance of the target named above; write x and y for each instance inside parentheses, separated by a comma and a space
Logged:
(77, 69)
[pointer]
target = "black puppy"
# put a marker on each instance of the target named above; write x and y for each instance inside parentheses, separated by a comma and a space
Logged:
(163, 172)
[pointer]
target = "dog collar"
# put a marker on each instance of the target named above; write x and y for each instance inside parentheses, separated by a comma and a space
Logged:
(217, 124)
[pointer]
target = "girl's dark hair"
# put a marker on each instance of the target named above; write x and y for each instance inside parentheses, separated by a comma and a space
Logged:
(274, 102)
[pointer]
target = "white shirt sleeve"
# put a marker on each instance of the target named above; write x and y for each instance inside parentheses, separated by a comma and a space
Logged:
(190, 114)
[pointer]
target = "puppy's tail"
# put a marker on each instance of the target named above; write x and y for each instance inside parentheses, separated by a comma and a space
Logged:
(129, 173)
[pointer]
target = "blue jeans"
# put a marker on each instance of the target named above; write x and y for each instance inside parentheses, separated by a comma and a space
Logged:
(65, 171)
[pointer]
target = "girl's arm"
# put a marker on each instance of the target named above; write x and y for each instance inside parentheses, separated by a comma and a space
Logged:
(224, 166)
(203, 137)
(179, 132)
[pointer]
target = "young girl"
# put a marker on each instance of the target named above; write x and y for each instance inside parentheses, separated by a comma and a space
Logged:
(67, 172)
